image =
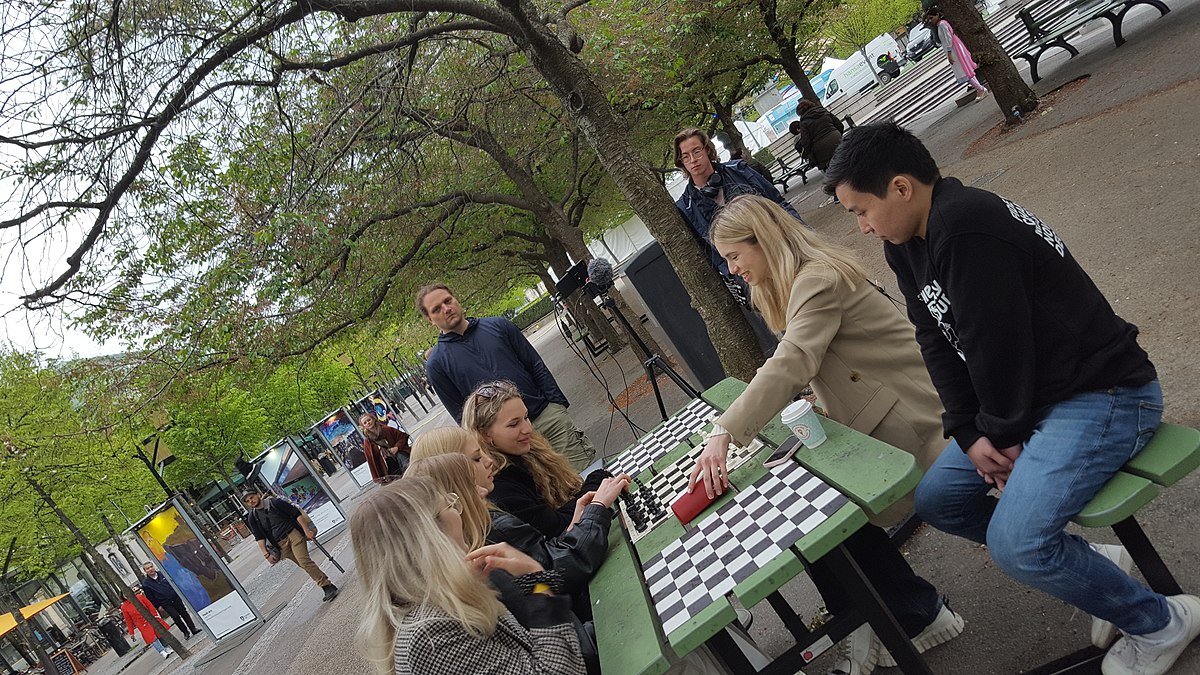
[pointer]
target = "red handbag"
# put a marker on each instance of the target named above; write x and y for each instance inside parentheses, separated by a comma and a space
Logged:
(691, 504)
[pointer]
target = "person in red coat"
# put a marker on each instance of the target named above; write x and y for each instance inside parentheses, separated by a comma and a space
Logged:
(386, 448)
(135, 620)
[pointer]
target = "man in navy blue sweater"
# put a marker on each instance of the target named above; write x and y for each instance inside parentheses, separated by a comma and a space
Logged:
(471, 351)
(159, 592)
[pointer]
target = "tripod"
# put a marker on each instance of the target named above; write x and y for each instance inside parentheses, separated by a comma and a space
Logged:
(652, 360)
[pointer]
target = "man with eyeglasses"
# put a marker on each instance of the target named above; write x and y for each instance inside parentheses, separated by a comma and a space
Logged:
(711, 185)
(283, 531)
(470, 351)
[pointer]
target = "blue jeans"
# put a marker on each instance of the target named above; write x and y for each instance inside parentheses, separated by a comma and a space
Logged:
(1075, 448)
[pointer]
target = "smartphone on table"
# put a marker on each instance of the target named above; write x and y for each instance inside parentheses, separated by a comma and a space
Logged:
(783, 453)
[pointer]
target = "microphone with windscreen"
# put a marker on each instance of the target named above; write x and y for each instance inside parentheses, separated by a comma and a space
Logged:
(600, 275)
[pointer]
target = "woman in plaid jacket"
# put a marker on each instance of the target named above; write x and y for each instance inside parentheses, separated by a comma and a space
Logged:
(430, 609)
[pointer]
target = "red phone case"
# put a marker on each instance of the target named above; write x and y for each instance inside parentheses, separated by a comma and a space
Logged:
(691, 504)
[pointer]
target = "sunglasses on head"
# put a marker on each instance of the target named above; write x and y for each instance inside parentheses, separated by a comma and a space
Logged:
(490, 391)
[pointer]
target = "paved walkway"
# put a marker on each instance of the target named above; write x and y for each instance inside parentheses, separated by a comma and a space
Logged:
(1113, 167)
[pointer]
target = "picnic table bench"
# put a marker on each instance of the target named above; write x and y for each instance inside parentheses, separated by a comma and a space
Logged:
(1050, 22)
(873, 475)
(1171, 454)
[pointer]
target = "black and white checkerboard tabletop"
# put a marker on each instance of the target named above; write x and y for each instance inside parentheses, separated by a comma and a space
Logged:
(667, 486)
(731, 544)
(692, 419)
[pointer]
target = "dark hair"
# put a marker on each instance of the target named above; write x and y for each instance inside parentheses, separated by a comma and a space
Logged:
(704, 139)
(805, 104)
(871, 155)
(426, 290)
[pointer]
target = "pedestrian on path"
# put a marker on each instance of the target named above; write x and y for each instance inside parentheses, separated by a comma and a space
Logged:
(386, 447)
(135, 620)
(159, 591)
(283, 531)
(960, 57)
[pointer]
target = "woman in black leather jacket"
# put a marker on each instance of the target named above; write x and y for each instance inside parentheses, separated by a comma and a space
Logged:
(451, 456)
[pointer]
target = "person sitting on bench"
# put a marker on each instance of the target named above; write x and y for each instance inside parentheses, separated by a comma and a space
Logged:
(1047, 392)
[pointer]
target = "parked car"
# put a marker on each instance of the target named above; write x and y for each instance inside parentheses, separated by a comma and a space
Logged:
(920, 42)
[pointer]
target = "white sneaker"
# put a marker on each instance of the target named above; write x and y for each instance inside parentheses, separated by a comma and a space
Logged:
(745, 618)
(945, 627)
(859, 652)
(1154, 654)
(1103, 632)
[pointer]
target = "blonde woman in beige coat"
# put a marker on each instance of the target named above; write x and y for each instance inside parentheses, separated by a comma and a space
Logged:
(860, 354)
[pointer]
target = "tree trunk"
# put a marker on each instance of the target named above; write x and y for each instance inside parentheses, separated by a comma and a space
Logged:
(11, 604)
(588, 105)
(870, 66)
(106, 572)
(789, 60)
(111, 594)
(724, 115)
(1009, 90)
(130, 559)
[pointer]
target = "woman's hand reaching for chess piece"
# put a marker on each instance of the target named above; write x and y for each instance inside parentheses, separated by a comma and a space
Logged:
(610, 489)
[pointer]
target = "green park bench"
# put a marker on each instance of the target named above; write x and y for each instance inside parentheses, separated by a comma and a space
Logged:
(1050, 22)
(1173, 453)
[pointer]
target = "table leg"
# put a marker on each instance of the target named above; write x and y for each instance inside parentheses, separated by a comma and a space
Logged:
(864, 596)
(788, 616)
(1145, 556)
(730, 655)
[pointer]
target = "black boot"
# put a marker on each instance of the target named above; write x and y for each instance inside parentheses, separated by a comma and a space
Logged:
(331, 592)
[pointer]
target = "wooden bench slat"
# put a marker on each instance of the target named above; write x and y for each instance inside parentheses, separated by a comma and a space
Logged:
(1173, 453)
(1120, 498)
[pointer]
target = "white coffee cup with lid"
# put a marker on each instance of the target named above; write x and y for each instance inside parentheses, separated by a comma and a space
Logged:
(804, 422)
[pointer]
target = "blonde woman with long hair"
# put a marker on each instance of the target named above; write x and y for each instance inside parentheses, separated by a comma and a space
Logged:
(429, 608)
(859, 352)
(577, 554)
(533, 482)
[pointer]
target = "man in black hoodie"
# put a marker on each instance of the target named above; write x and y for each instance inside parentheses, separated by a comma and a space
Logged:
(1047, 393)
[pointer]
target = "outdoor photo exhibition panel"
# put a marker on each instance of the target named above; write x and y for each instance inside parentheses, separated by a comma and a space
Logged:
(346, 442)
(385, 410)
(170, 537)
(289, 475)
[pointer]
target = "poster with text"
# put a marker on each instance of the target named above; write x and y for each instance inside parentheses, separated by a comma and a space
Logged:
(291, 478)
(345, 440)
(203, 581)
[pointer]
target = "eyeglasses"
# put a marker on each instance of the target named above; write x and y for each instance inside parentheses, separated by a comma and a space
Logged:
(454, 504)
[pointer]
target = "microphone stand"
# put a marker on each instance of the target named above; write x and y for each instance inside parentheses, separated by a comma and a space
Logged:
(652, 360)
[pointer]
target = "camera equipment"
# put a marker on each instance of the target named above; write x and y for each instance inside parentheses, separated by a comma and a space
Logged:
(600, 273)
(572, 281)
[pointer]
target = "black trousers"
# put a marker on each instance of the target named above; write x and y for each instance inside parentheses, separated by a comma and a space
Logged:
(179, 615)
(912, 600)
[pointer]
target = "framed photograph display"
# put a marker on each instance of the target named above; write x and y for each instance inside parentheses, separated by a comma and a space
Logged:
(170, 537)
(289, 475)
(345, 441)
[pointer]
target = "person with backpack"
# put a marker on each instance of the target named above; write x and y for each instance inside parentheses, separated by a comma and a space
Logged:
(819, 133)
(283, 531)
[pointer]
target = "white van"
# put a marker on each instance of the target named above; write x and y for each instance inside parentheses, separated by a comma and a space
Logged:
(855, 75)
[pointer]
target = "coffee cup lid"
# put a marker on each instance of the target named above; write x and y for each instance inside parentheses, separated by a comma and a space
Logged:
(796, 409)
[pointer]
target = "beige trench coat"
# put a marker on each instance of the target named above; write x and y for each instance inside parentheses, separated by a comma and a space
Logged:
(860, 354)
